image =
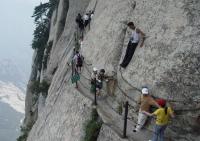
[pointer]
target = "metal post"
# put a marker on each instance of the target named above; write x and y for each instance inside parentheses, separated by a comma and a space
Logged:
(95, 92)
(125, 119)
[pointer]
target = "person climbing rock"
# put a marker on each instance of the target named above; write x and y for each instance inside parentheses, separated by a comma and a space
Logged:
(100, 78)
(90, 15)
(135, 38)
(78, 59)
(145, 102)
(163, 115)
(86, 19)
(93, 80)
(80, 22)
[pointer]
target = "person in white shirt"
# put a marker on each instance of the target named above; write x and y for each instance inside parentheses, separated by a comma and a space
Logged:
(86, 19)
(135, 38)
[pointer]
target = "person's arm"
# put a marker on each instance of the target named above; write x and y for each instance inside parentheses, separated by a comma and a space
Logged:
(142, 36)
(155, 103)
(149, 114)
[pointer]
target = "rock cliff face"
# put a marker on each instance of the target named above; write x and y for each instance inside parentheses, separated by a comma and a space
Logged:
(168, 64)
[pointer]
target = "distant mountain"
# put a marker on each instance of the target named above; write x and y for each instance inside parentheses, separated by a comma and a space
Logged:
(12, 95)
(11, 111)
(12, 99)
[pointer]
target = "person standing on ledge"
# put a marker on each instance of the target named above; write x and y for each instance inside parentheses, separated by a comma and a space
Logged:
(135, 38)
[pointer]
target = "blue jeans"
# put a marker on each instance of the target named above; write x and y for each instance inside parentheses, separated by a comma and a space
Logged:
(158, 134)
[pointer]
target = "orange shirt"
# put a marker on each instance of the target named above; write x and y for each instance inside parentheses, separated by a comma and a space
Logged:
(145, 102)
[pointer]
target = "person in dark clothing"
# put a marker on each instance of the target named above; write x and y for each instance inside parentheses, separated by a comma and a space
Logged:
(135, 38)
(80, 22)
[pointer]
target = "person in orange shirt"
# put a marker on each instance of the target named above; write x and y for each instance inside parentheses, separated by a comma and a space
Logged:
(162, 118)
(145, 102)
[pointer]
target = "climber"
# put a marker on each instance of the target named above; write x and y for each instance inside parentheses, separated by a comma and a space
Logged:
(86, 19)
(100, 78)
(145, 102)
(80, 22)
(78, 59)
(90, 15)
(93, 80)
(162, 118)
(135, 38)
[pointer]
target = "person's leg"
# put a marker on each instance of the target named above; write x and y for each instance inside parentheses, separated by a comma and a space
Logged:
(98, 91)
(156, 133)
(141, 121)
(162, 130)
(130, 54)
(80, 69)
(126, 55)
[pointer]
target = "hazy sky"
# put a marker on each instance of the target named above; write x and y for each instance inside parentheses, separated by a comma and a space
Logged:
(16, 29)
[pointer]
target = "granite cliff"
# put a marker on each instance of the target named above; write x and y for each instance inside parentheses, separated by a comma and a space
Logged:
(168, 64)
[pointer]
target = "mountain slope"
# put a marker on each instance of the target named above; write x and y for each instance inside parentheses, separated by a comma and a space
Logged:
(167, 64)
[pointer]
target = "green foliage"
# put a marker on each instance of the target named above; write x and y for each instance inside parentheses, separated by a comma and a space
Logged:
(35, 87)
(44, 87)
(24, 132)
(92, 127)
(41, 35)
(46, 56)
(42, 15)
(53, 5)
(38, 87)
(40, 12)
(120, 108)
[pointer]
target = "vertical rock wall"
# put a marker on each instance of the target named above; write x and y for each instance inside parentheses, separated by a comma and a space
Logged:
(168, 63)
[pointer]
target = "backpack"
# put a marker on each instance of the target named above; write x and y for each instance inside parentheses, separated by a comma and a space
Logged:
(79, 60)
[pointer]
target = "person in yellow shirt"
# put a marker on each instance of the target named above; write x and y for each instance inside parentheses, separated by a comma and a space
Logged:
(163, 115)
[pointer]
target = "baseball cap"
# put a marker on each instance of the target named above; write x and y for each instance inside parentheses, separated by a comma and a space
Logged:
(161, 102)
(145, 91)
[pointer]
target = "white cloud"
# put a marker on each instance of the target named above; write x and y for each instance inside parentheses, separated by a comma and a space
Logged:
(13, 96)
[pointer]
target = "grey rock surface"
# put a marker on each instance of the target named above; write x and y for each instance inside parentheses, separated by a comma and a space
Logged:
(168, 64)
(106, 134)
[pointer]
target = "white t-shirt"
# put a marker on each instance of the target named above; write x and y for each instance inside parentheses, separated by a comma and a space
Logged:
(91, 16)
(135, 37)
(86, 17)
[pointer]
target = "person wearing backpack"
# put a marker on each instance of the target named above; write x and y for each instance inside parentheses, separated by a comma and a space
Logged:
(162, 115)
(100, 78)
(78, 61)
(134, 40)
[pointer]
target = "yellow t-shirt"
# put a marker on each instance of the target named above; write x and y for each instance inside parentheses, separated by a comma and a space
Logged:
(162, 118)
